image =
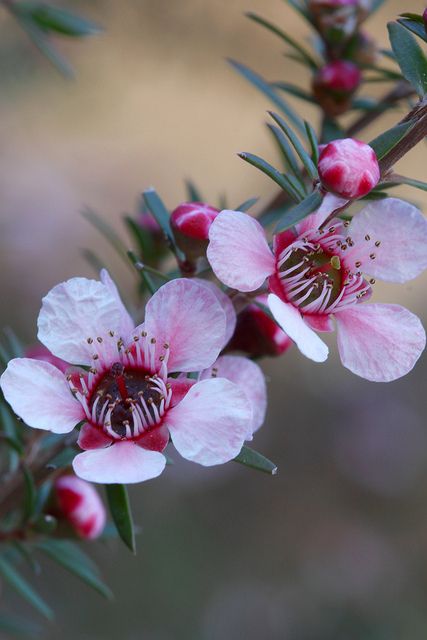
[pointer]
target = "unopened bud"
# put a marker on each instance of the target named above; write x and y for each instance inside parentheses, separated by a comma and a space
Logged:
(190, 224)
(81, 505)
(337, 20)
(349, 168)
(257, 335)
(334, 85)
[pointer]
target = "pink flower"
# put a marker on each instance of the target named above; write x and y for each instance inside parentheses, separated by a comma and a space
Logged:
(316, 274)
(349, 168)
(341, 76)
(40, 352)
(129, 404)
(190, 224)
(81, 505)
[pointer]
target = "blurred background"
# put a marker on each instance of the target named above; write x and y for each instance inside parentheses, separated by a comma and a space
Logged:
(335, 546)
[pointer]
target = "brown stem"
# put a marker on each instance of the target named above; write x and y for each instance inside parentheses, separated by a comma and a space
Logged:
(418, 116)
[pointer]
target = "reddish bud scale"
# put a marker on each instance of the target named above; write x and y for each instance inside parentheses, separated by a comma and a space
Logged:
(334, 84)
(190, 224)
(81, 506)
(257, 335)
(349, 168)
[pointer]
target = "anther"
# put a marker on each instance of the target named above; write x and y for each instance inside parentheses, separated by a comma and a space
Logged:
(367, 238)
(111, 333)
(377, 243)
(372, 256)
(358, 264)
(347, 223)
(144, 334)
(99, 339)
(95, 356)
(372, 281)
(89, 340)
(166, 346)
(153, 340)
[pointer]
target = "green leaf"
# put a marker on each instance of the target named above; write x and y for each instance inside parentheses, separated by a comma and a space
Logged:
(93, 260)
(416, 17)
(415, 27)
(331, 130)
(251, 458)
(311, 62)
(42, 43)
(301, 211)
(304, 157)
(390, 138)
(285, 149)
(418, 184)
(9, 429)
(312, 138)
(21, 586)
(300, 8)
(409, 56)
(50, 18)
(16, 348)
(19, 627)
(72, 558)
(268, 91)
(118, 501)
(294, 90)
(30, 494)
(247, 204)
(272, 173)
(161, 214)
(193, 192)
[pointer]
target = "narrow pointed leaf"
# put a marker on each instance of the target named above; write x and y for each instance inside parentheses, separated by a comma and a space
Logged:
(304, 157)
(21, 586)
(72, 558)
(247, 204)
(301, 211)
(118, 502)
(415, 27)
(272, 173)
(193, 192)
(312, 138)
(418, 184)
(284, 36)
(251, 458)
(285, 149)
(409, 56)
(268, 90)
(390, 138)
(294, 90)
(50, 18)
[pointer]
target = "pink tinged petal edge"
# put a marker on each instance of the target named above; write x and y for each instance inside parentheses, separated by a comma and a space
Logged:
(123, 463)
(188, 317)
(249, 378)
(293, 324)
(402, 230)
(379, 342)
(226, 304)
(91, 437)
(315, 220)
(39, 393)
(127, 324)
(211, 423)
(323, 323)
(238, 251)
(76, 310)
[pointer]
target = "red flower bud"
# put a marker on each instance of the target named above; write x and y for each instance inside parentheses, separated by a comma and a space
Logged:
(81, 505)
(349, 168)
(190, 223)
(334, 84)
(256, 334)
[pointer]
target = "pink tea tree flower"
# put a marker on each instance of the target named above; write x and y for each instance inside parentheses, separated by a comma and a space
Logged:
(190, 223)
(316, 274)
(334, 84)
(127, 401)
(348, 168)
(80, 504)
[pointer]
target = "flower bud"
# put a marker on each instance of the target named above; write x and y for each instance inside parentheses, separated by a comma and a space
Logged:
(349, 168)
(190, 223)
(256, 334)
(334, 85)
(80, 504)
(337, 20)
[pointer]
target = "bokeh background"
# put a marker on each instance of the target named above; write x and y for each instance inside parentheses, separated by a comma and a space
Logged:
(335, 546)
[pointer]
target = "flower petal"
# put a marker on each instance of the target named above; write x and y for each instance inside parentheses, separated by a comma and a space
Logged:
(127, 324)
(226, 304)
(76, 310)
(91, 437)
(249, 378)
(401, 230)
(122, 463)
(330, 204)
(238, 251)
(379, 342)
(211, 423)
(188, 317)
(39, 393)
(292, 323)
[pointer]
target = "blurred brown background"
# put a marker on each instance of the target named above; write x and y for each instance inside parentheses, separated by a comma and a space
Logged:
(335, 546)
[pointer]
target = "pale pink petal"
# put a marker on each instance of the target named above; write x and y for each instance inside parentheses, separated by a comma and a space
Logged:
(292, 323)
(320, 323)
(179, 387)
(76, 310)
(91, 437)
(330, 204)
(211, 423)
(238, 251)
(127, 324)
(249, 377)
(226, 304)
(379, 342)
(122, 463)
(39, 393)
(400, 231)
(188, 317)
